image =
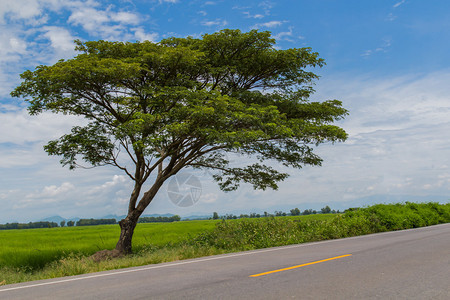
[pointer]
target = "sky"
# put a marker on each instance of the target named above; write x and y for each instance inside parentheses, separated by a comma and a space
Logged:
(388, 61)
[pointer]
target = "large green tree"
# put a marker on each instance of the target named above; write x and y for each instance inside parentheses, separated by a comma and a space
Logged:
(186, 102)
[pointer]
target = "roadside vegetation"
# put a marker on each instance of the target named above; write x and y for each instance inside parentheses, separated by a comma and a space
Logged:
(47, 253)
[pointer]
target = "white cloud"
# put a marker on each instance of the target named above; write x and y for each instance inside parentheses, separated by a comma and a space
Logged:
(19, 9)
(53, 191)
(266, 6)
(384, 48)
(49, 194)
(89, 18)
(13, 45)
(18, 127)
(60, 38)
(399, 3)
(255, 16)
(285, 35)
(209, 198)
(115, 181)
(17, 45)
(141, 35)
(217, 22)
(106, 24)
(125, 18)
(271, 24)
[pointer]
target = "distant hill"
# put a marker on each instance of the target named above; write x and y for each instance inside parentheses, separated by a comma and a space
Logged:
(56, 219)
(197, 217)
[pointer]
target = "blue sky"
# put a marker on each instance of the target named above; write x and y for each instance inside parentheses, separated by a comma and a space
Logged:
(387, 60)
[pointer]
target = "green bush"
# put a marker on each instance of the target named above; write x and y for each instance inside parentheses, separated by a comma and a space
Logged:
(248, 234)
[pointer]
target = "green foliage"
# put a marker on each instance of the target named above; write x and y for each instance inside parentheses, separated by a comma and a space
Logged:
(326, 210)
(295, 212)
(186, 102)
(248, 234)
(403, 216)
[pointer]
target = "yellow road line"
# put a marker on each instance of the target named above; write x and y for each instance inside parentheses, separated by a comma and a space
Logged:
(299, 266)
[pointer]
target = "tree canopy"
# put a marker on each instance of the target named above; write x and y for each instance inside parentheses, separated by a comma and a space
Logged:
(186, 102)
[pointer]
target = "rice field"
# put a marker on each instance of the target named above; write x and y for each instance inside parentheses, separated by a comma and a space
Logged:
(34, 248)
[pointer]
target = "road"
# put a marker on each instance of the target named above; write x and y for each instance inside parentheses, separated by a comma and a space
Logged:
(409, 264)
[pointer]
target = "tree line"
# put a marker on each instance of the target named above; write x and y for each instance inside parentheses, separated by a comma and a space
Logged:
(174, 218)
(293, 212)
(84, 222)
(92, 222)
(28, 225)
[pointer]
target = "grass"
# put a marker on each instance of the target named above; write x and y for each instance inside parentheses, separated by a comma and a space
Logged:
(47, 253)
(32, 249)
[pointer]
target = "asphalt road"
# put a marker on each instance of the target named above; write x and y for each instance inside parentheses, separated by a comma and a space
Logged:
(409, 264)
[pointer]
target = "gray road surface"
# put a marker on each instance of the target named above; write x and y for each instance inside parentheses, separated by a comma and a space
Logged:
(410, 264)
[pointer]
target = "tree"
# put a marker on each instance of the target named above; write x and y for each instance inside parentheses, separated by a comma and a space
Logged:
(185, 103)
(62, 223)
(295, 212)
(70, 223)
(215, 216)
(326, 210)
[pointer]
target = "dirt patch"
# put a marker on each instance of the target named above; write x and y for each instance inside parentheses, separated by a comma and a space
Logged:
(106, 255)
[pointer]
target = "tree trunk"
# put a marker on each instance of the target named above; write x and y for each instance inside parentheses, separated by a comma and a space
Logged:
(127, 226)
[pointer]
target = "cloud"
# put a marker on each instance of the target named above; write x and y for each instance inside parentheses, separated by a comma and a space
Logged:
(49, 194)
(19, 10)
(18, 127)
(391, 17)
(52, 191)
(217, 22)
(271, 24)
(384, 48)
(13, 45)
(125, 18)
(390, 103)
(209, 198)
(255, 16)
(115, 181)
(285, 35)
(60, 38)
(399, 3)
(141, 35)
(106, 24)
(266, 6)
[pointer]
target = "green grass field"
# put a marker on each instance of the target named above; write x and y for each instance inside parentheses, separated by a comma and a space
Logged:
(34, 248)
